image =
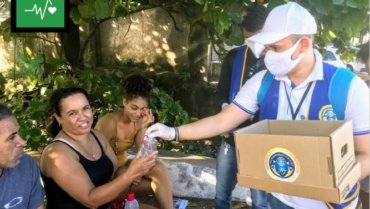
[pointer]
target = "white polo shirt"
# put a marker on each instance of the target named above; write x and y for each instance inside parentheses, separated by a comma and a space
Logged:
(357, 110)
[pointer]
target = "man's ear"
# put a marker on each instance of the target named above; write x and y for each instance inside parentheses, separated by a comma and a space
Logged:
(305, 44)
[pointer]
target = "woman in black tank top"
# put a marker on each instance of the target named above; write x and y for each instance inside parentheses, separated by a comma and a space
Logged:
(78, 167)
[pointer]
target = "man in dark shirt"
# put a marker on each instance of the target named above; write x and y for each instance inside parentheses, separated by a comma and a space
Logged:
(239, 65)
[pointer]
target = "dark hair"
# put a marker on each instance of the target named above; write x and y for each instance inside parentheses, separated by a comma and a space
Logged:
(363, 53)
(55, 105)
(5, 112)
(254, 17)
(137, 85)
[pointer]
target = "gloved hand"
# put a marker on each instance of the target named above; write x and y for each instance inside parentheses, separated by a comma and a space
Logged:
(162, 131)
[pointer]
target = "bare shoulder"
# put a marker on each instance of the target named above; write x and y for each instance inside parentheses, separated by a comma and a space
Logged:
(57, 155)
(108, 121)
(100, 137)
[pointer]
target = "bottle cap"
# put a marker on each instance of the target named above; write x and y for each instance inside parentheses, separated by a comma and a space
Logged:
(130, 196)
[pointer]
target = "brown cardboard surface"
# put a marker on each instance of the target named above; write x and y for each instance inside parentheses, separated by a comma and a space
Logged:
(322, 153)
(328, 194)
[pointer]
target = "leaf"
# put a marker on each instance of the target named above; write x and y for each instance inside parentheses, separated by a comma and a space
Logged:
(86, 10)
(43, 90)
(75, 15)
(353, 3)
(205, 8)
(332, 34)
(120, 10)
(338, 2)
(224, 22)
(274, 3)
(102, 9)
(322, 7)
(199, 1)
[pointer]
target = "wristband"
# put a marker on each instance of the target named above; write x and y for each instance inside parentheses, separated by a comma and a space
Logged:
(177, 135)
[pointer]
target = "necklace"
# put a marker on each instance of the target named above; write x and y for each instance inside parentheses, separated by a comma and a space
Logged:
(91, 154)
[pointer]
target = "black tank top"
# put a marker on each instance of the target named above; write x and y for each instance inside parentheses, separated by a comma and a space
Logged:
(99, 171)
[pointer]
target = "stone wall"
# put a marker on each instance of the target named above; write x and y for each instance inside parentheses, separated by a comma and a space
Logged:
(149, 36)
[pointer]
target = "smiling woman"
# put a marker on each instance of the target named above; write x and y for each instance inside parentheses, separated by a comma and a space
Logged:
(126, 127)
(79, 167)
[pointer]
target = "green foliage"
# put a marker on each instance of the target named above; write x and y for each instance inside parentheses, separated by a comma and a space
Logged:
(339, 20)
(28, 89)
(167, 110)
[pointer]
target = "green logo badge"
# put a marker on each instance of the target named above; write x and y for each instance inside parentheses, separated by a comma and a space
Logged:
(39, 15)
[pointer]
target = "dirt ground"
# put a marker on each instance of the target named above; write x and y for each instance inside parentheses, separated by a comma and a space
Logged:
(196, 203)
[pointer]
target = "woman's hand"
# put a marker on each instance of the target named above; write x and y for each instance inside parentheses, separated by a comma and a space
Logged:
(147, 118)
(141, 166)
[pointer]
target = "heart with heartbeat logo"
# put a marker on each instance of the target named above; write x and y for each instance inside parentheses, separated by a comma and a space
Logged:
(52, 10)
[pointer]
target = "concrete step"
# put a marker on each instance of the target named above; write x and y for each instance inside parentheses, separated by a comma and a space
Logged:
(195, 176)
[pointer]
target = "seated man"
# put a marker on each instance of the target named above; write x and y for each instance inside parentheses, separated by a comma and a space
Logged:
(20, 185)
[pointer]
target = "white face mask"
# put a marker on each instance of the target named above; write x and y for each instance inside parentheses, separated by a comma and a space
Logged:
(281, 63)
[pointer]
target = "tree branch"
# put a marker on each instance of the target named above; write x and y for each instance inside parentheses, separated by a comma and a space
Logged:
(173, 19)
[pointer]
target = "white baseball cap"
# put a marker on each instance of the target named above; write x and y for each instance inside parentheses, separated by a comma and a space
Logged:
(283, 21)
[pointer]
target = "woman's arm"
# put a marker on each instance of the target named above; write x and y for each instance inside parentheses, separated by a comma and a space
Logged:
(62, 164)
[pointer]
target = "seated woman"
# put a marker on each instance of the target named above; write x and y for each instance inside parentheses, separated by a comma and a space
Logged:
(79, 165)
(127, 126)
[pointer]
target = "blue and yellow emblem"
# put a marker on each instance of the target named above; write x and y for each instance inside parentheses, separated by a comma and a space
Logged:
(327, 113)
(281, 164)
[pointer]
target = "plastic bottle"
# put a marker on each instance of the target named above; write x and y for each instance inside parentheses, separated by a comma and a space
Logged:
(131, 202)
(148, 146)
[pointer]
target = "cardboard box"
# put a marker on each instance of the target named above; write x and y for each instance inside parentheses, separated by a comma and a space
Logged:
(313, 159)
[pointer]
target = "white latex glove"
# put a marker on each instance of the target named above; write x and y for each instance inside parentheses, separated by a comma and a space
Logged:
(162, 131)
(224, 105)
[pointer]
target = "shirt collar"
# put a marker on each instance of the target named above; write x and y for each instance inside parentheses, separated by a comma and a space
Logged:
(316, 74)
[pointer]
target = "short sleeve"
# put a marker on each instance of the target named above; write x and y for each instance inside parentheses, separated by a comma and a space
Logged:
(357, 109)
(246, 99)
(37, 190)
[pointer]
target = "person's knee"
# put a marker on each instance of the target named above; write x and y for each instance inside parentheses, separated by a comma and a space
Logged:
(159, 168)
(159, 175)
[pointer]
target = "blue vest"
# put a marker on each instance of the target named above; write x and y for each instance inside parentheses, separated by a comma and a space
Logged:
(328, 102)
(329, 97)
(238, 71)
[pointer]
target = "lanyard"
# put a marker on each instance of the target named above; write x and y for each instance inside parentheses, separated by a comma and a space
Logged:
(295, 113)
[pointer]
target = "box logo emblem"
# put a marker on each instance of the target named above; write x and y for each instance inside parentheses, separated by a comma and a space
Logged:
(327, 113)
(281, 164)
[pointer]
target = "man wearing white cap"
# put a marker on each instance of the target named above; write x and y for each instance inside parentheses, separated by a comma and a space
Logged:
(297, 86)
